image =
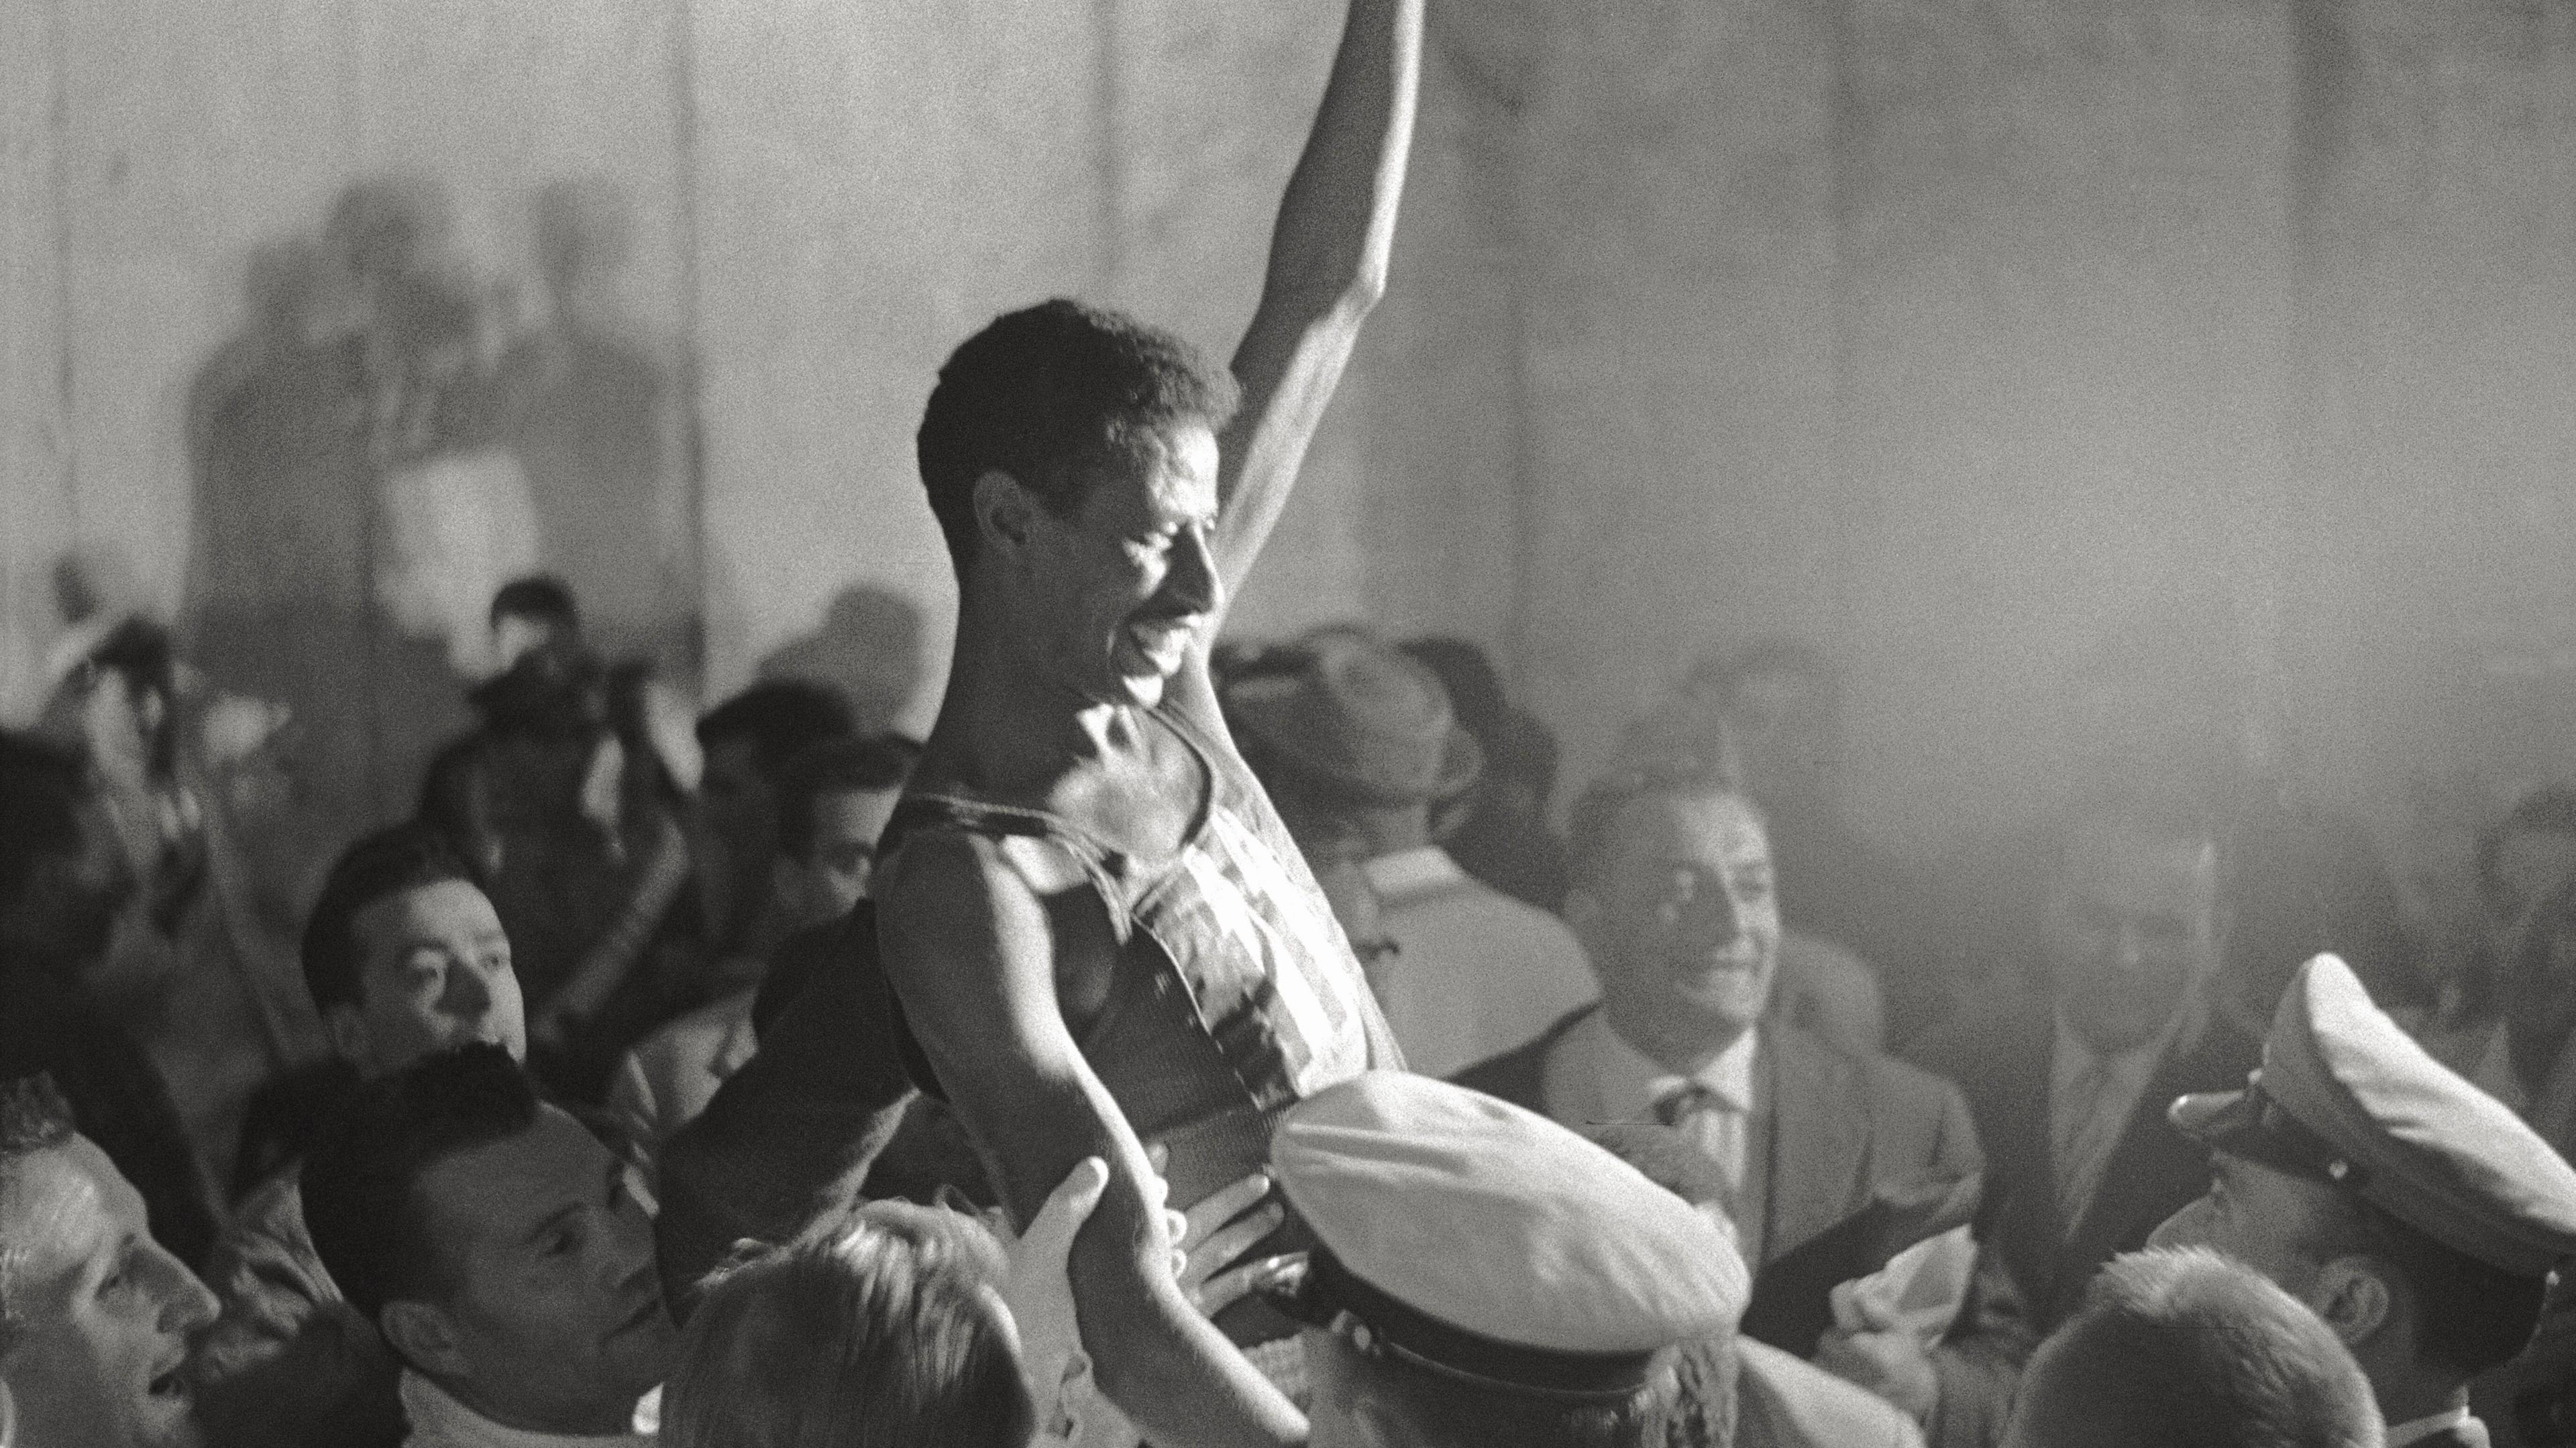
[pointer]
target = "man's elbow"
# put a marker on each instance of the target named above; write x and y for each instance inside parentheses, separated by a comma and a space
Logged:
(1362, 292)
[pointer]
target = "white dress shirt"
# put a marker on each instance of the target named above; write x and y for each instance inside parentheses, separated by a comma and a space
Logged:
(1476, 972)
(1594, 1077)
(439, 1421)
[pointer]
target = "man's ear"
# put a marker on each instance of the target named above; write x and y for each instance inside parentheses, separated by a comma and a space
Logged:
(422, 1335)
(1004, 510)
(350, 1039)
(2353, 1296)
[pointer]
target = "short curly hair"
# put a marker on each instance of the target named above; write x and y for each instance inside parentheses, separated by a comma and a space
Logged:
(1057, 396)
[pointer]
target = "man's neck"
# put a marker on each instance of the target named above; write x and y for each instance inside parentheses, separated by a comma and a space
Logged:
(599, 1420)
(2406, 1394)
(1685, 1049)
(1006, 722)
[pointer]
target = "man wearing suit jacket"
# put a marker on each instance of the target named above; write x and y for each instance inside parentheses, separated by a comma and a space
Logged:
(1672, 899)
(2069, 1080)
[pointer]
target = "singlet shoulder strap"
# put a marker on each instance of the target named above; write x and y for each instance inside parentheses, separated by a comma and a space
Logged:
(1019, 826)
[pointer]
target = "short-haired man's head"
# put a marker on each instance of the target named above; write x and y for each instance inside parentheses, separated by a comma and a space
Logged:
(404, 954)
(1674, 899)
(1367, 1399)
(879, 764)
(499, 1246)
(876, 1328)
(2525, 860)
(834, 798)
(539, 598)
(531, 613)
(2132, 918)
(2461, 1316)
(361, 1183)
(775, 718)
(1055, 396)
(97, 1319)
(2186, 1349)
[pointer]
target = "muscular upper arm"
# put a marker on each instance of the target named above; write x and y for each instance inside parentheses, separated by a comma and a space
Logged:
(969, 946)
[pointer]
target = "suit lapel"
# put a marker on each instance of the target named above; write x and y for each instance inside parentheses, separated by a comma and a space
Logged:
(1819, 1141)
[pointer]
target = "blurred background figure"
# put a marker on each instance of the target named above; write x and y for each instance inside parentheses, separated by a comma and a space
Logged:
(747, 741)
(1498, 830)
(2068, 1075)
(1359, 750)
(199, 786)
(832, 797)
(2186, 1349)
(2537, 1041)
(2525, 865)
(65, 878)
(532, 613)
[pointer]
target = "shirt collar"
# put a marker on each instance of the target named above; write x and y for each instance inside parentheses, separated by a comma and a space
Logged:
(2416, 1430)
(1416, 871)
(438, 1420)
(1631, 1081)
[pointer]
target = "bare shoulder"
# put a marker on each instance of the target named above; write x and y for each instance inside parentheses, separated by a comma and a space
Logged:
(991, 923)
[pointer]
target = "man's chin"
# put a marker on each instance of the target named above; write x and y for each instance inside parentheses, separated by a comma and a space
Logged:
(169, 1420)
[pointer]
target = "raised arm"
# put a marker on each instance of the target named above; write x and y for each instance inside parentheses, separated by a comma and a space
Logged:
(970, 947)
(1328, 263)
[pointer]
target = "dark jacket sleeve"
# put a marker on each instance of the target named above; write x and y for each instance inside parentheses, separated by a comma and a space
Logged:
(289, 1364)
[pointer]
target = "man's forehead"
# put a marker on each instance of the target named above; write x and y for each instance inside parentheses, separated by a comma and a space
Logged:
(63, 1205)
(2117, 857)
(1177, 486)
(429, 912)
(1715, 827)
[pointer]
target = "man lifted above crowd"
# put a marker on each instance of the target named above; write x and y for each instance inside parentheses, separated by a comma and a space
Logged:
(1100, 932)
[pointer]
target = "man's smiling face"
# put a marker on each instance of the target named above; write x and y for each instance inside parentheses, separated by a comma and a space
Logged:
(103, 1317)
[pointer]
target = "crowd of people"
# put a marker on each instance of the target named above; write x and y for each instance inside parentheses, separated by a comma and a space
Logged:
(1215, 1045)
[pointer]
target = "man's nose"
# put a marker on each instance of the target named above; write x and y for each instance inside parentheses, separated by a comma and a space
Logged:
(1716, 916)
(469, 995)
(187, 1306)
(1193, 581)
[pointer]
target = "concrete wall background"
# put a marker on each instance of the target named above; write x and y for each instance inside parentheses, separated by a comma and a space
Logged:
(1961, 336)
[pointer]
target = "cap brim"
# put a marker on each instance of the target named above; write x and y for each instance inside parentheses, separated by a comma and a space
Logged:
(2217, 1118)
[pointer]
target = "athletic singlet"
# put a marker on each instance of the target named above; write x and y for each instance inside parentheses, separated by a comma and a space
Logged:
(1234, 993)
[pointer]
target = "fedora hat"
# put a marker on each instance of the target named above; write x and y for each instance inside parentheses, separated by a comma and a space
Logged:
(1357, 715)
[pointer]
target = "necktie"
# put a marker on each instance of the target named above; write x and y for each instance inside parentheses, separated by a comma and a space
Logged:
(1712, 1124)
(2083, 1130)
